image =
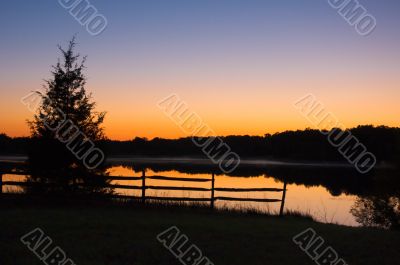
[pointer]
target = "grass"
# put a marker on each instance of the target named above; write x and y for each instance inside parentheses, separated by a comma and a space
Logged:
(124, 234)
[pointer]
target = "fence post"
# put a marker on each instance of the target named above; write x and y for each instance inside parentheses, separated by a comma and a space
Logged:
(143, 186)
(283, 199)
(212, 191)
(1, 183)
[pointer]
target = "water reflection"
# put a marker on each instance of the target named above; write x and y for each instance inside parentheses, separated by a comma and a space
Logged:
(336, 195)
(58, 182)
(374, 211)
(314, 200)
(339, 195)
(73, 181)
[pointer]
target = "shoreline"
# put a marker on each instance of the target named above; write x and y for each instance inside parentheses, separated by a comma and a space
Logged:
(206, 161)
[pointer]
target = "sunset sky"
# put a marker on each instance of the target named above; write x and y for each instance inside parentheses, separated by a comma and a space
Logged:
(240, 65)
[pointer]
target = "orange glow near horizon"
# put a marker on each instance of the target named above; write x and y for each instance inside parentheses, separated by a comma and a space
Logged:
(243, 118)
(131, 115)
(239, 105)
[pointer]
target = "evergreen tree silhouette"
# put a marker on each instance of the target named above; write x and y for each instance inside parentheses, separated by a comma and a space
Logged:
(65, 98)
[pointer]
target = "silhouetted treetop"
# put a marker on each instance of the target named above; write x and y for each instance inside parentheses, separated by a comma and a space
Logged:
(66, 112)
(65, 92)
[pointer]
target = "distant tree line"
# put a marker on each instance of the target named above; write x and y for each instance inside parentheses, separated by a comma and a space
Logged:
(300, 145)
(14, 146)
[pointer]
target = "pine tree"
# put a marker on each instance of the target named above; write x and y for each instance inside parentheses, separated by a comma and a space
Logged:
(64, 98)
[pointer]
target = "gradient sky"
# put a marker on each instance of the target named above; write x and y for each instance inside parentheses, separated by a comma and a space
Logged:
(239, 65)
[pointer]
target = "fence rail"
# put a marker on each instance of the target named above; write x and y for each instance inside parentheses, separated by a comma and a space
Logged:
(143, 187)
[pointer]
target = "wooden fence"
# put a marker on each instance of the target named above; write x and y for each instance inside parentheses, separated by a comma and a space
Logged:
(143, 187)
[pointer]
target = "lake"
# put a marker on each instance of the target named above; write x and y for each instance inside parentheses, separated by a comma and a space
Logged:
(326, 192)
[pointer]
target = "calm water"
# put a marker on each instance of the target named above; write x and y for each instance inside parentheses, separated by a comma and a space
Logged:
(316, 201)
(325, 193)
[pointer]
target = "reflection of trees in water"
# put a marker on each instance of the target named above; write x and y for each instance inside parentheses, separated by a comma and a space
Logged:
(378, 211)
(378, 203)
(337, 180)
(75, 181)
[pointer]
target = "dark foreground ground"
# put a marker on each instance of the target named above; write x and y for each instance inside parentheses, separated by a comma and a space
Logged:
(114, 235)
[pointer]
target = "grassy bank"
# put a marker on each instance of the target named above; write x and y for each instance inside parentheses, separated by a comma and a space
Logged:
(94, 235)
